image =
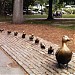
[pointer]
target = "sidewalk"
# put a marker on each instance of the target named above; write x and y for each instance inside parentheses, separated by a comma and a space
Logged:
(8, 66)
(46, 19)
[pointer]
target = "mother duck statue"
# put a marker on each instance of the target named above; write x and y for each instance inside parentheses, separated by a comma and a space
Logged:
(64, 54)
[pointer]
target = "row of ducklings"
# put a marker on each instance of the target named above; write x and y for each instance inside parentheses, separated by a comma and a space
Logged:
(63, 55)
(42, 45)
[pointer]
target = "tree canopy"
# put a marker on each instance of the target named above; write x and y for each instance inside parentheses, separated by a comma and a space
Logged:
(26, 3)
(6, 6)
(67, 1)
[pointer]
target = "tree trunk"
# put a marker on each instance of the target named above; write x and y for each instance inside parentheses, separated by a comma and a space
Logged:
(41, 10)
(0, 7)
(50, 17)
(27, 10)
(12, 5)
(18, 12)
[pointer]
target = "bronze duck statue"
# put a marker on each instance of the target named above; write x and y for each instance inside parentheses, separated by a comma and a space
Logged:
(50, 50)
(42, 45)
(64, 54)
(15, 33)
(31, 37)
(8, 32)
(1, 30)
(23, 35)
(36, 41)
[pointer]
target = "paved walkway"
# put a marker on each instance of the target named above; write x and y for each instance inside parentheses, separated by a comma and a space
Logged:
(31, 57)
(46, 18)
(8, 66)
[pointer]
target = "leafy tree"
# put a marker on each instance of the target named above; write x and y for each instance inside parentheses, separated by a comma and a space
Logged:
(67, 1)
(2, 7)
(42, 2)
(26, 4)
(50, 7)
(6, 6)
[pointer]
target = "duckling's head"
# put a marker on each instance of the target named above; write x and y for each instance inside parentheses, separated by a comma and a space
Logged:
(23, 31)
(65, 38)
(32, 35)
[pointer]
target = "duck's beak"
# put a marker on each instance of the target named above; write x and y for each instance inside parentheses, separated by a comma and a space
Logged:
(68, 39)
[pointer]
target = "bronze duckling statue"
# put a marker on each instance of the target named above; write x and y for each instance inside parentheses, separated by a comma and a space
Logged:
(23, 35)
(64, 54)
(37, 41)
(8, 32)
(1, 30)
(15, 33)
(42, 46)
(31, 37)
(50, 50)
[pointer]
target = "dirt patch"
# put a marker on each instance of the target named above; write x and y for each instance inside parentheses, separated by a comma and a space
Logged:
(47, 32)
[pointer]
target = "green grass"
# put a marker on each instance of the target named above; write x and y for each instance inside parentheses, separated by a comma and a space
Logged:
(7, 18)
(45, 16)
(68, 16)
(38, 22)
(56, 23)
(35, 16)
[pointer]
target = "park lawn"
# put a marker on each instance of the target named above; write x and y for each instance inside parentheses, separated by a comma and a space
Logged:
(68, 16)
(35, 16)
(9, 18)
(58, 23)
(5, 18)
(45, 16)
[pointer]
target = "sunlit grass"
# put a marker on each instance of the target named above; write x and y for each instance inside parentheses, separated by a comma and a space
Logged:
(45, 16)
(35, 16)
(68, 16)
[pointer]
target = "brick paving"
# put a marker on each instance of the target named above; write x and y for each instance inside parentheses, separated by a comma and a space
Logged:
(31, 57)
